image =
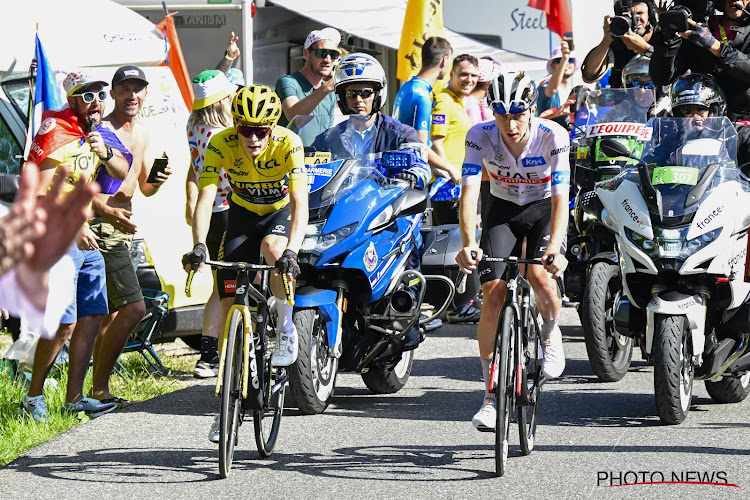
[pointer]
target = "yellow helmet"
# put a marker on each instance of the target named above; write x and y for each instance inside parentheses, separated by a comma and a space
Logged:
(256, 105)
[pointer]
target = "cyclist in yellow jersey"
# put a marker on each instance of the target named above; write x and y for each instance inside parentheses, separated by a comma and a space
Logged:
(268, 206)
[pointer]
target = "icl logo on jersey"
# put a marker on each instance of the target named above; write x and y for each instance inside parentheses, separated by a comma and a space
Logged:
(536, 161)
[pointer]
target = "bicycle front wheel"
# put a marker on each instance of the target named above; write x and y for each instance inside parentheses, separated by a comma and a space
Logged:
(231, 397)
(267, 421)
(502, 362)
(531, 375)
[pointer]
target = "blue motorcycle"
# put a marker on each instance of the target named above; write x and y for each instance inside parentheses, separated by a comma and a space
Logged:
(358, 299)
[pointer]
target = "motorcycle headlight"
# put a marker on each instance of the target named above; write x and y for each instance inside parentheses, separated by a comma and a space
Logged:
(312, 234)
(692, 246)
(645, 244)
(318, 243)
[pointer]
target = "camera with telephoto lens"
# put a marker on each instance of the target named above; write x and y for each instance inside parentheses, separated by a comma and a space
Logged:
(620, 25)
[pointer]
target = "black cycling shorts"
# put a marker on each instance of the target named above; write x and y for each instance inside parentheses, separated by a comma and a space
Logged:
(216, 232)
(242, 239)
(505, 225)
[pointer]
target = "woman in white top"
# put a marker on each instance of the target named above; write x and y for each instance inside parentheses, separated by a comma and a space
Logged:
(211, 114)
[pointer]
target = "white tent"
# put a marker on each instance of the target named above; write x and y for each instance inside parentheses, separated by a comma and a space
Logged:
(77, 33)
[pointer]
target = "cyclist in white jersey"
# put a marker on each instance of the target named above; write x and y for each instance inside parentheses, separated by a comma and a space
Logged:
(526, 160)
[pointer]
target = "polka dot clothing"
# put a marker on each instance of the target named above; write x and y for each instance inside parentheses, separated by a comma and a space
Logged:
(198, 138)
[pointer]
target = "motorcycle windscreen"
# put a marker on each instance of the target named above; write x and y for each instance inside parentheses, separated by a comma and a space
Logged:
(687, 159)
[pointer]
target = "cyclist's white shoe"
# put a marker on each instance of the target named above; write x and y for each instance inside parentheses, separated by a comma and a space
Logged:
(213, 434)
(484, 420)
(286, 348)
(553, 363)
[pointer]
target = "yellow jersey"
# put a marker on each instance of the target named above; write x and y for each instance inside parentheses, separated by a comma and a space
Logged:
(261, 185)
(79, 158)
(450, 120)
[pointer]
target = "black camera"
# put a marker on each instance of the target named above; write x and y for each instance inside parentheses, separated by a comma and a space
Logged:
(675, 20)
(620, 25)
(624, 21)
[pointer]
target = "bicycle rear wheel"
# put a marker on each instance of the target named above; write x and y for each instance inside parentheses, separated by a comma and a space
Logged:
(505, 387)
(531, 375)
(267, 421)
(231, 386)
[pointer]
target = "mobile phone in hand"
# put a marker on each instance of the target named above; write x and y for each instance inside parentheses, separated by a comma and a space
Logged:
(160, 164)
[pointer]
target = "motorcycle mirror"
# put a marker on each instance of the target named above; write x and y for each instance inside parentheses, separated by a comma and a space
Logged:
(564, 121)
(614, 149)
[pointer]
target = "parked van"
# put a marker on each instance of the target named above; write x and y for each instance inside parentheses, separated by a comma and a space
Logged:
(98, 36)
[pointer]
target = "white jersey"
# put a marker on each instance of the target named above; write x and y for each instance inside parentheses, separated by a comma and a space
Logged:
(542, 170)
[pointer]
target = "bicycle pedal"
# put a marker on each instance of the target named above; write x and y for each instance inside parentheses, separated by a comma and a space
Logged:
(482, 428)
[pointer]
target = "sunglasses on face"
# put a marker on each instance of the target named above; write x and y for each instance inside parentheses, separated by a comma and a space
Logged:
(557, 60)
(88, 97)
(364, 93)
(513, 108)
(259, 132)
(689, 109)
(641, 85)
(323, 53)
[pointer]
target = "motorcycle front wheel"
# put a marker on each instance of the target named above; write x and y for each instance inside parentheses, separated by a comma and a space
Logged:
(313, 376)
(609, 352)
(673, 368)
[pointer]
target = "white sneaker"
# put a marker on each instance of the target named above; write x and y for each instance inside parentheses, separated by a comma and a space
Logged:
(553, 363)
(286, 348)
(36, 407)
(213, 433)
(484, 420)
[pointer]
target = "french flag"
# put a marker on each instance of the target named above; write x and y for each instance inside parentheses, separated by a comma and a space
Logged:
(46, 94)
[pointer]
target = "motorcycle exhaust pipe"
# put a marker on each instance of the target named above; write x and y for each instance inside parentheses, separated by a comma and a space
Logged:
(403, 301)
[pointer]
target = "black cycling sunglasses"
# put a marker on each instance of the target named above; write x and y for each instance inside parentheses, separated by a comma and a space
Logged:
(323, 53)
(88, 97)
(364, 93)
(248, 130)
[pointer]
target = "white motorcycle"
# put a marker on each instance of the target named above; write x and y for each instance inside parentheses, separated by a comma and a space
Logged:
(680, 219)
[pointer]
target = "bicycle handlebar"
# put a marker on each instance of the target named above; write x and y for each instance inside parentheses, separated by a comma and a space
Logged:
(241, 266)
(461, 281)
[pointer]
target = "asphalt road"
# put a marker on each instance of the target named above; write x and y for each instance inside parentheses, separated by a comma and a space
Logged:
(418, 443)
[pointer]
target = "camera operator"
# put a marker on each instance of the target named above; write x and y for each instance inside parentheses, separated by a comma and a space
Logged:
(626, 35)
(718, 45)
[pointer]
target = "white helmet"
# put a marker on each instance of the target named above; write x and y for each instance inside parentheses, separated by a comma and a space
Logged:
(360, 68)
(513, 93)
(635, 68)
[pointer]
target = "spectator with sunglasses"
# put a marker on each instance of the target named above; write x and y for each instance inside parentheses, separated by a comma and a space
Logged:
(561, 66)
(309, 91)
(74, 140)
(528, 165)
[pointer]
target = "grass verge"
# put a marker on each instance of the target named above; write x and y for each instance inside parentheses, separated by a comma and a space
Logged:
(19, 433)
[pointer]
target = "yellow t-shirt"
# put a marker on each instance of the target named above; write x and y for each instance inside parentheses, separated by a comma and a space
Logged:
(449, 119)
(261, 185)
(79, 158)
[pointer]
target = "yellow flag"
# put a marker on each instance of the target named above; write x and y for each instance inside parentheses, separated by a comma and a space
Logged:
(423, 19)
